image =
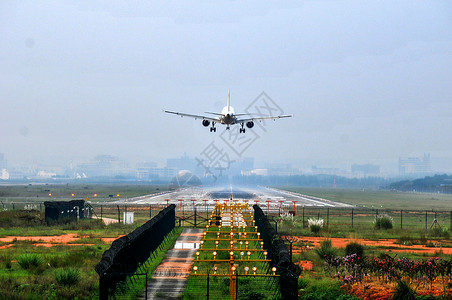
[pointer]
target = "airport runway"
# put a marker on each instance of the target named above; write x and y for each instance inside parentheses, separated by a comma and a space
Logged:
(253, 195)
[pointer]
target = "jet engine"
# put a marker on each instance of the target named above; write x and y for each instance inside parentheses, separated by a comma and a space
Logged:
(205, 123)
(250, 124)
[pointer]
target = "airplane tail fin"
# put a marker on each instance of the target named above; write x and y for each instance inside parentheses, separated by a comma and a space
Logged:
(229, 99)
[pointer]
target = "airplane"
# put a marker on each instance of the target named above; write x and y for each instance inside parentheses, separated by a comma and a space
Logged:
(227, 117)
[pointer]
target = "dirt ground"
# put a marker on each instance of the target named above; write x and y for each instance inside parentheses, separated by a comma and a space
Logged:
(391, 245)
(50, 241)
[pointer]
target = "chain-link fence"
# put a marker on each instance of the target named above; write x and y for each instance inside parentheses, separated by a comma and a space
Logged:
(359, 217)
(243, 287)
(195, 214)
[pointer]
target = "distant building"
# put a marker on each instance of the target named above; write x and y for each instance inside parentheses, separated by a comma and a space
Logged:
(4, 175)
(182, 163)
(415, 165)
(149, 170)
(104, 166)
(326, 171)
(365, 170)
(3, 162)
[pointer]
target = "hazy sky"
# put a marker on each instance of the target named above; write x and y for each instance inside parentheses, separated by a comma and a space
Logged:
(367, 81)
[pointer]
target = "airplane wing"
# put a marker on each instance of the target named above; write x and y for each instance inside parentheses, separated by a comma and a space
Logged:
(193, 116)
(262, 118)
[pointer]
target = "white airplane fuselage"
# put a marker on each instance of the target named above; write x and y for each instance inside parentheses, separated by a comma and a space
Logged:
(227, 116)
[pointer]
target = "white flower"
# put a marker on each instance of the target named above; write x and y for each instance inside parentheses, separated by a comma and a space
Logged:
(315, 222)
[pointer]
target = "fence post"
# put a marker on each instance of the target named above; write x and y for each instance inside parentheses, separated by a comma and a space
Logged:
(150, 211)
(327, 216)
(119, 215)
(401, 219)
(303, 216)
(207, 285)
(195, 216)
(352, 217)
(426, 220)
(146, 296)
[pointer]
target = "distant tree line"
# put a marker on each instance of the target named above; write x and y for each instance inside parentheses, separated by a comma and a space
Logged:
(430, 184)
(312, 181)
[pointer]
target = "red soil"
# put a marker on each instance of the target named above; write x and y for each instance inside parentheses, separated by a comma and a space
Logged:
(50, 241)
(390, 243)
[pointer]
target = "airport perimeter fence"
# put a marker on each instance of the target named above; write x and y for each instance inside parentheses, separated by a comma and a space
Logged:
(127, 255)
(279, 255)
(218, 287)
(358, 217)
(195, 214)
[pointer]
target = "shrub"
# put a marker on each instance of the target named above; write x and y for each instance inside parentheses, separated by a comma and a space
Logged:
(383, 222)
(29, 260)
(324, 289)
(403, 292)
(326, 250)
(67, 276)
(354, 248)
(315, 225)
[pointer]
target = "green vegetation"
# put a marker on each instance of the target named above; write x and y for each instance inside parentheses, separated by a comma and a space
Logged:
(404, 291)
(29, 260)
(383, 222)
(312, 288)
(67, 276)
(436, 183)
(63, 271)
(354, 248)
(380, 199)
(326, 250)
(96, 192)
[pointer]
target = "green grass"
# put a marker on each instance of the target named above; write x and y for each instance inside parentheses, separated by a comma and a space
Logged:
(312, 288)
(380, 199)
(41, 192)
(58, 272)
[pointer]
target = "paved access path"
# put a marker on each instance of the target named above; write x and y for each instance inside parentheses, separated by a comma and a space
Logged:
(169, 279)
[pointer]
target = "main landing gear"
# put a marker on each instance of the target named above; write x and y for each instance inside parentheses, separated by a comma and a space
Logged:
(242, 130)
(213, 129)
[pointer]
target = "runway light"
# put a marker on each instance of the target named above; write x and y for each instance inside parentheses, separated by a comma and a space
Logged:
(249, 254)
(215, 268)
(72, 194)
(274, 270)
(214, 255)
(195, 268)
(117, 195)
(254, 270)
(197, 255)
(246, 270)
